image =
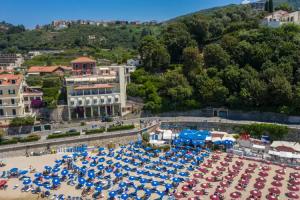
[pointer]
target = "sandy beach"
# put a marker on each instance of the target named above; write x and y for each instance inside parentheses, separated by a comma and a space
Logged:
(216, 165)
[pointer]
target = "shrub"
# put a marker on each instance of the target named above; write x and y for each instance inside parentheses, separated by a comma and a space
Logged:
(95, 131)
(119, 128)
(67, 134)
(82, 123)
(11, 141)
(22, 121)
(30, 138)
(146, 137)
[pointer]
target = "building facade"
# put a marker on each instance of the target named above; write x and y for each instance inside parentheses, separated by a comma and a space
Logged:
(83, 66)
(280, 17)
(96, 92)
(10, 61)
(11, 97)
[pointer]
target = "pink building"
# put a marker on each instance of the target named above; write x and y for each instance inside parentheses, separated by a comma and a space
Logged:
(83, 66)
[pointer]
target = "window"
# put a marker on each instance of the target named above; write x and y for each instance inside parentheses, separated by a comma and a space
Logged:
(14, 112)
(72, 103)
(26, 98)
(31, 98)
(116, 99)
(0, 82)
(109, 100)
(102, 100)
(1, 92)
(88, 102)
(95, 101)
(80, 102)
(1, 112)
(11, 92)
(12, 101)
(38, 98)
(84, 66)
(0, 101)
(13, 81)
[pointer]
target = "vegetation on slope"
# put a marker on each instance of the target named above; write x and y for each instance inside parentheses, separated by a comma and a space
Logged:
(224, 58)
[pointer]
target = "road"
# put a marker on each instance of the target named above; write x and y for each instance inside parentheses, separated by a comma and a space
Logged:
(97, 124)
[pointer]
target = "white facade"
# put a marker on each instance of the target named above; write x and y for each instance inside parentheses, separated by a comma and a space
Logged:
(280, 17)
(10, 61)
(98, 95)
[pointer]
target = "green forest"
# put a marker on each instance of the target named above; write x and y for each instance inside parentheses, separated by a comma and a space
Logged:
(221, 58)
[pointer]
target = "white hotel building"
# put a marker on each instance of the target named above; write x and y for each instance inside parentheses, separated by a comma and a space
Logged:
(100, 93)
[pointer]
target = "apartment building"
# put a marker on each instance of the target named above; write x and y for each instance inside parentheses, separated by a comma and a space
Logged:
(10, 61)
(11, 97)
(94, 92)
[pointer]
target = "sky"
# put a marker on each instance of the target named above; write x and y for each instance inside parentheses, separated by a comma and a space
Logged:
(33, 12)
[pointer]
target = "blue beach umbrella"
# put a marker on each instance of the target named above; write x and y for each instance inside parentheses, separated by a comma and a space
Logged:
(56, 181)
(100, 167)
(163, 177)
(85, 162)
(122, 184)
(118, 165)
(99, 188)
(132, 178)
(14, 170)
(47, 177)
(143, 180)
(155, 183)
(119, 175)
(168, 186)
(101, 159)
(101, 149)
(89, 184)
(112, 194)
(109, 170)
(27, 181)
(176, 180)
(48, 168)
(91, 174)
(48, 187)
(81, 180)
(109, 162)
(124, 196)
(56, 169)
(64, 172)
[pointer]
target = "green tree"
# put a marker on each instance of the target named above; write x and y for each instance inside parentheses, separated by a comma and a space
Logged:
(284, 6)
(215, 56)
(154, 55)
(176, 38)
(271, 7)
(192, 60)
(280, 91)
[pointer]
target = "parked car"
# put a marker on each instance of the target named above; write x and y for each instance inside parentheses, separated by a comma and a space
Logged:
(72, 130)
(57, 132)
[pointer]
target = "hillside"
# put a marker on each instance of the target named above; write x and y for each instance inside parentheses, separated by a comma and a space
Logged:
(16, 38)
(220, 58)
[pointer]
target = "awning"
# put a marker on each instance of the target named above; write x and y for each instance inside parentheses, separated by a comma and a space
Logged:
(284, 154)
(255, 146)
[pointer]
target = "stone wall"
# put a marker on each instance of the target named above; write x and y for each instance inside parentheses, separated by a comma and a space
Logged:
(118, 141)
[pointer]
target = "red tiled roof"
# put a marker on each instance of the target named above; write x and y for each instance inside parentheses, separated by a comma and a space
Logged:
(7, 78)
(46, 69)
(96, 86)
(83, 60)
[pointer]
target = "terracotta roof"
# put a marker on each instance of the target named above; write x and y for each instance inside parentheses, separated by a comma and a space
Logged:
(96, 86)
(83, 60)
(6, 79)
(45, 69)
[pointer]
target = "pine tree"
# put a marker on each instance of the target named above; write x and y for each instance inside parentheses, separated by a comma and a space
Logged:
(267, 6)
(271, 9)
